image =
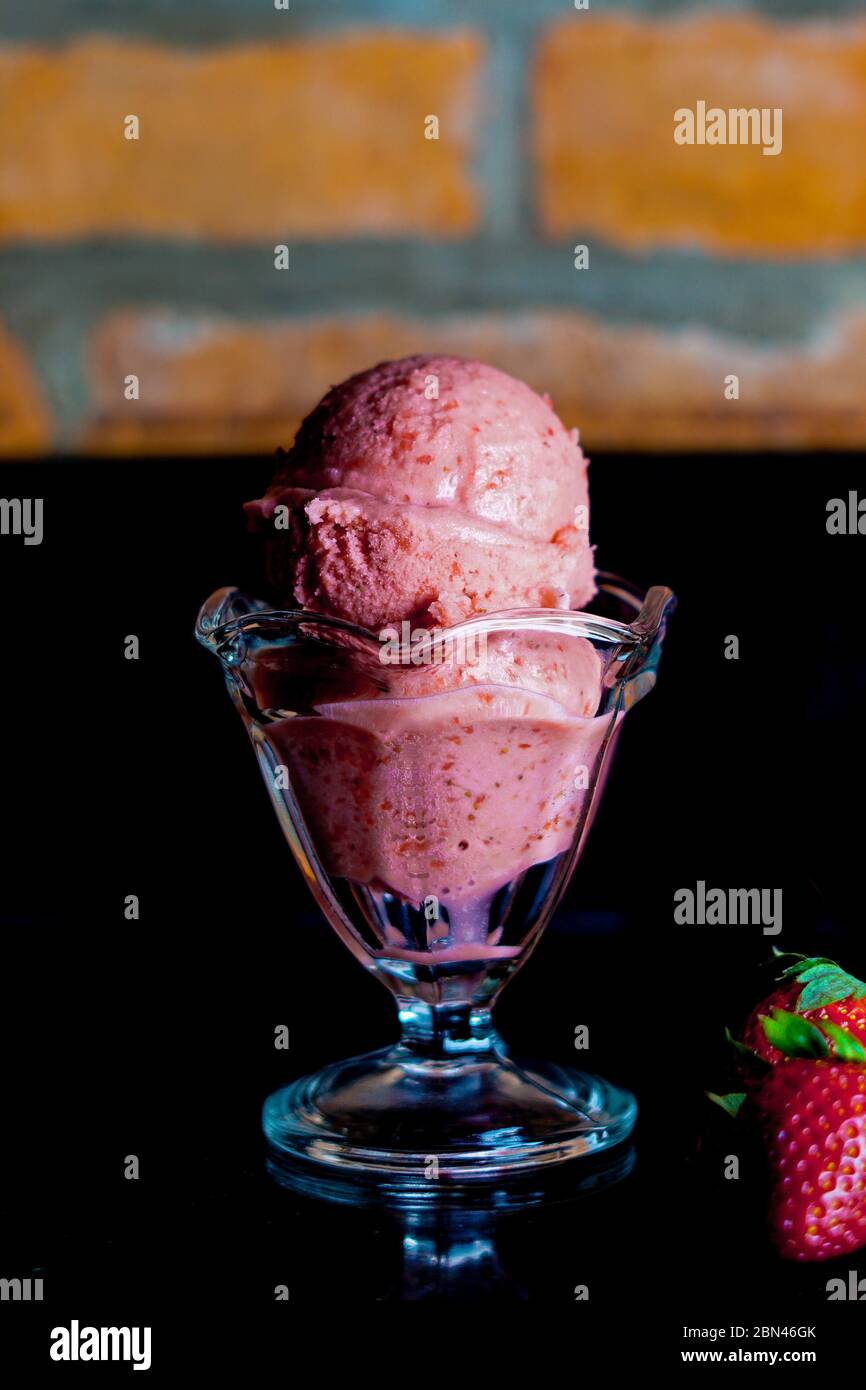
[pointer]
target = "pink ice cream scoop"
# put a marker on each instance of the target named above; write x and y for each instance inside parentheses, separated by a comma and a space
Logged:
(458, 778)
(421, 493)
(429, 489)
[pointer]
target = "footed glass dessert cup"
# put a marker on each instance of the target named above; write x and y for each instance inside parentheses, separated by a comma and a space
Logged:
(436, 788)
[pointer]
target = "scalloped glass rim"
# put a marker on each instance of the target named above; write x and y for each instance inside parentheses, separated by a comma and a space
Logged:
(228, 615)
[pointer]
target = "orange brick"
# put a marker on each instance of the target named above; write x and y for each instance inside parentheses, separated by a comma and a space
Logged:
(319, 137)
(606, 90)
(210, 385)
(25, 426)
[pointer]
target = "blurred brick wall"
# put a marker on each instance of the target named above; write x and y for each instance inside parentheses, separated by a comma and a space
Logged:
(261, 126)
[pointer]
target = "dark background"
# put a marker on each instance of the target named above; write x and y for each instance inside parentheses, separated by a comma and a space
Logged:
(155, 1037)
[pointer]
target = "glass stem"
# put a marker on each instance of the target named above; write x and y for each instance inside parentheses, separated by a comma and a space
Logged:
(442, 1031)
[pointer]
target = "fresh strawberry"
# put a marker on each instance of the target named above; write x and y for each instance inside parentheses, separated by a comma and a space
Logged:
(810, 1108)
(812, 1114)
(817, 989)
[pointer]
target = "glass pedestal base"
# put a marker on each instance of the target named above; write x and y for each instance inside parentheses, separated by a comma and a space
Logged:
(422, 1125)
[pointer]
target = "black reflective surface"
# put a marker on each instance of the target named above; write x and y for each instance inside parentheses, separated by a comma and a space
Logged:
(154, 1037)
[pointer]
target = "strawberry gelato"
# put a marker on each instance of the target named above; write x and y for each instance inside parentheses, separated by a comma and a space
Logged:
(455, 777)
(429, 489)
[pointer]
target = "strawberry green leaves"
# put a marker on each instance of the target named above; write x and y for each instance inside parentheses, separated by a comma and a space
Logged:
(824, 981)
(730, 1103)
(740, 1048)
(795, 1036)
(845, 1046)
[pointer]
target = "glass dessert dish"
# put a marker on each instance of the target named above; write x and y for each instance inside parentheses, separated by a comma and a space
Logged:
(436, 789)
